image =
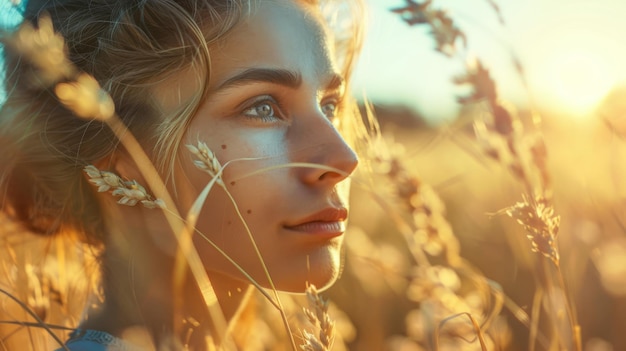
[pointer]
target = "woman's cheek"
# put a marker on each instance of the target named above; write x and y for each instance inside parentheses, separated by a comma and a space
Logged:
(252, 152)
(261, 142)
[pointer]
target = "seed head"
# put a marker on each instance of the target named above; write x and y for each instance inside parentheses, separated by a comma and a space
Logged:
(44, 48)
(85, 98)
(311, 343)
(318, 316)
(541, 225)
(130, 192)
(207, 161)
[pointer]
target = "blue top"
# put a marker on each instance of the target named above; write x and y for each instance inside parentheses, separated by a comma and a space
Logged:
(95, 340)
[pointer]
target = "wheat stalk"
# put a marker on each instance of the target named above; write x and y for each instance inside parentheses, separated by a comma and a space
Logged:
(317, 315)
(130, 192)
(504, 140)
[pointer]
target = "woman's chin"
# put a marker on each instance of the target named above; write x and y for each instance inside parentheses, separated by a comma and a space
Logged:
(294, 274)
(322, 279)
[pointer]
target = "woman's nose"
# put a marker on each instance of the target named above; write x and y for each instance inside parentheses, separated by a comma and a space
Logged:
(321, 144)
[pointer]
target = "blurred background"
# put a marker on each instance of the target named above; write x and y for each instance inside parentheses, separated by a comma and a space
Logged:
(572, 55)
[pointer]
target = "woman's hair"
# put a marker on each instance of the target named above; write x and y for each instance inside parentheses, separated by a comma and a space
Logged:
(129, 47)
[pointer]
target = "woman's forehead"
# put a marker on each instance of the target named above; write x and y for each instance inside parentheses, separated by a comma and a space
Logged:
(276, 34)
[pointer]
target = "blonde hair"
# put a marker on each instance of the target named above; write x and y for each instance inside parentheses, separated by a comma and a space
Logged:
(129, 47)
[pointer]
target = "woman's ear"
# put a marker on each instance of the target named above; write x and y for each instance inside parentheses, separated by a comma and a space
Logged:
(121, 164)
(124, 165)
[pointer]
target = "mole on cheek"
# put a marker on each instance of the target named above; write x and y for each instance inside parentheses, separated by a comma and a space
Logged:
(232, 183)
(249, 211)
(224, 146)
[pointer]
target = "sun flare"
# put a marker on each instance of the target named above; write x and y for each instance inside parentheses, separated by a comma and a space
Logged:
(577, 81)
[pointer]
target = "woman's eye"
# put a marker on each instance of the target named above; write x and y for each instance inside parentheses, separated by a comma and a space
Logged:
(265, 110)
(329, 109)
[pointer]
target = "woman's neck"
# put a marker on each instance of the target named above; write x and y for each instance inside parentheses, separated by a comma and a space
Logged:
(139, 293)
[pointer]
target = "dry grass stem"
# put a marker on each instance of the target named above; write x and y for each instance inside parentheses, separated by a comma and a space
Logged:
(290, 165)
(477, 329)
(32, 313)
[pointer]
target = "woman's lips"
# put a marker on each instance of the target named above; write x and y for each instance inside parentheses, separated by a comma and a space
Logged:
(329, 221)
(320, 227)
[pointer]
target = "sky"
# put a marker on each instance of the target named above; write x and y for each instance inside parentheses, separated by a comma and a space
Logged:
(573, 51)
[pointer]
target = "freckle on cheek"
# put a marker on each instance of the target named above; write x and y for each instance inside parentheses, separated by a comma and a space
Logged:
(232, 183)
(229, 223)
(249, 211)
(224, 146)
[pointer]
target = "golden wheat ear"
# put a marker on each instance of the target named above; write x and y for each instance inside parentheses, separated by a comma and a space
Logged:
(129, 192)
(207, 161)
(318, 316)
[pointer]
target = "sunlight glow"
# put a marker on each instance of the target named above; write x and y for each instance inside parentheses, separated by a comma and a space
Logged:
(578, 80)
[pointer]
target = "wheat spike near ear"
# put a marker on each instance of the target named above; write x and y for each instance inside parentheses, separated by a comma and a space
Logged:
(130, 192)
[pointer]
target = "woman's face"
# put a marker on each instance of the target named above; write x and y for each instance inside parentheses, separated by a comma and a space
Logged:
(274, 94)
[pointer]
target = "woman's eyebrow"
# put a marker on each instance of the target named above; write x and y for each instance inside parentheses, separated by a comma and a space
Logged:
(336, 82)
(282, 77)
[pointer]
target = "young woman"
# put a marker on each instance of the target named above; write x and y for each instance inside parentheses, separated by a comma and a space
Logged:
(262, 83)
